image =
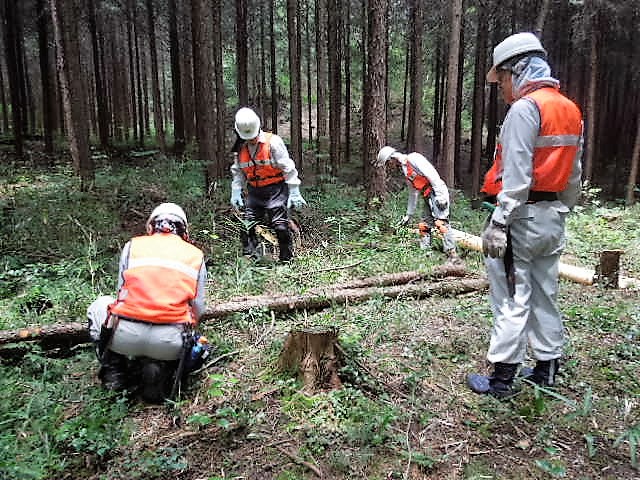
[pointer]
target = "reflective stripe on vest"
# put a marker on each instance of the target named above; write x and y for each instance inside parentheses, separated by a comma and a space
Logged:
(160, 280)
(419, 182)
(260, 170)
(555, 148)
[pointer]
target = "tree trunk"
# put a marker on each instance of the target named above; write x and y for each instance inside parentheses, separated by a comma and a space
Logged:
(592, 101)
(220, 131)
(449, 157)
(295, 90)
(242, 78)
(335, 84)
(3, 103)
(274, 78)
(373, 125)
(176, 81)
(630, 197)
(347, 82)
(100, 89)
(45, 77)
(155, 81)
(133, 97)
(204, 77)
(12, 48)
(478, 101)
(322, 79)
(414, 130)
(63, 13)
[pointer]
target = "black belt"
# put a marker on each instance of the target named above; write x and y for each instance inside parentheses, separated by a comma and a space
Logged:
(542, 197)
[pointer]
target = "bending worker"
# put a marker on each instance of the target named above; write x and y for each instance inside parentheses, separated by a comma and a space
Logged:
(161, 296)
(535, 178)
(264, 167)
(424, 181)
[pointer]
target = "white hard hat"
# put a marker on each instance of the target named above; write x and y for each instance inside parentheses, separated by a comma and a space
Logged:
(247, 123)
(385, 154)
(513, 46)
(170, 211)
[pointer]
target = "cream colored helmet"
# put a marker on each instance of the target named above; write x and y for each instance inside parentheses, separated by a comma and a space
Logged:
(513, 46)
(247, 123)
(170, 211)
(385, 154)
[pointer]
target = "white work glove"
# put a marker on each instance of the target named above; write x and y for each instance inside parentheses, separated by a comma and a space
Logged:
(295, 200)
(441, 203)
(494, 240)
(236, 198)
(404, 221)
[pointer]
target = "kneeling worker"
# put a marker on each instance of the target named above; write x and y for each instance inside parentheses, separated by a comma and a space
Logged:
(142, 335)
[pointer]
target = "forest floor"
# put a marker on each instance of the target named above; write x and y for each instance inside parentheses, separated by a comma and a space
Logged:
(403, 411)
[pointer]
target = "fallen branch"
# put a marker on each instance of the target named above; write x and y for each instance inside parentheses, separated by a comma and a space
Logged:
(299, 461)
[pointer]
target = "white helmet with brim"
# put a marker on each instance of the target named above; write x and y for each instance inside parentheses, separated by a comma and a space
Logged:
(516, 45)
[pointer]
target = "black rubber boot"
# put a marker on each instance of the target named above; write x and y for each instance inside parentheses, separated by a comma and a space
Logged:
(285, 244)
(113, 371)
(499, 383)
(249, 243)
(155, 376)
(543, 374)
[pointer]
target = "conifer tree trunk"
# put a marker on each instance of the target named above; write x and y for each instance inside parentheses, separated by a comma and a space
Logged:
(65, 26)
(12, 49)
(220, 131)
(176, 80)
(45, 76)
(274, 78)
(414, 130)
(633, 172)
(3, 103)
(293, 32)
(132, 72)
(449, 157)
(321, 72)
(478, 100)
(155, 81)
(590, 106)
(347, 80)
(335, 85)
(242, 54)
(202, 32)
(374, 98)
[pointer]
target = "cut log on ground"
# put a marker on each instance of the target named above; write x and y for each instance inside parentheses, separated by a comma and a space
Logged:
(322, 298)
(585, 276)
(65, 335)
(312, 354)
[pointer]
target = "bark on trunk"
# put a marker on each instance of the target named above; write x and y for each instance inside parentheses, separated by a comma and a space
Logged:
(313, 355)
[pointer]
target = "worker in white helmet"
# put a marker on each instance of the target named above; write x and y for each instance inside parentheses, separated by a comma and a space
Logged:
(535, 179)
(140, 335)
(424, 181)
(265, 170)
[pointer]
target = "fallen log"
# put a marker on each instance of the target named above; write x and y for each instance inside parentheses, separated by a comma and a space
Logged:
(584, 276)
(68, 334)
(322, 298)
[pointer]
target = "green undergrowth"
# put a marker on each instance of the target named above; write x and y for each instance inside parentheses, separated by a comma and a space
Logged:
(404, 410)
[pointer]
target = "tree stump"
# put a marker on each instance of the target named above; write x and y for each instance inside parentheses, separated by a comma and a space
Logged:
(312, 355)
(608, 270)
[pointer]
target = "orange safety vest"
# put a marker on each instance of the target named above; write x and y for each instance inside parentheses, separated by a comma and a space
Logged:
(419, 182)
(555, 148)
(160, 280)
(260, 170)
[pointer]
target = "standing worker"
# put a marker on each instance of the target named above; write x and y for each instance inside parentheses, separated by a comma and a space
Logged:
(535, 179)
(264, 167)
(142, 334)
(423, 180)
